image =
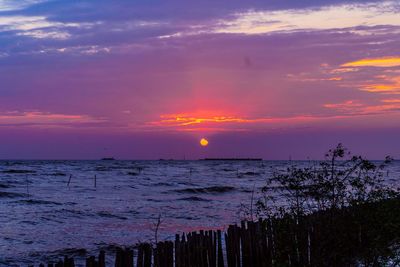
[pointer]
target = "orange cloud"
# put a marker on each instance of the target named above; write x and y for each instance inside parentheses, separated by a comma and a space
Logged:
(391, 100)
(375, 62)
(218, 123)
(335, 79)
(186, 120)
(389, 85)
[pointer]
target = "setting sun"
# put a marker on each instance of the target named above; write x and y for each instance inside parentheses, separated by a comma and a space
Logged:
(203, 142)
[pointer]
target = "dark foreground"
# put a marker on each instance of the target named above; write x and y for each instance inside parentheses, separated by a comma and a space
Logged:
(361, 235)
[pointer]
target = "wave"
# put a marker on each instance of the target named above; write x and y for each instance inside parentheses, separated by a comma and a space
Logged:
(109, 215)
(71, 212)
(162, 184)
(102, 169)
(58, 174)
(193, 199)
(15, 171)
(205, 190)
(38, 202)
(5, 186)
(55, 255)
(250, 173)
(11, 195)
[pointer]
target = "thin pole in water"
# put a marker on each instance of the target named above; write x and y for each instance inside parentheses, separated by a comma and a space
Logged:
(69, 180)
(95, 180)
(27, 185)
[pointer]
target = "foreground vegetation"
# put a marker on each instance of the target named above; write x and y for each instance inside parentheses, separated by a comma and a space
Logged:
(336, 212)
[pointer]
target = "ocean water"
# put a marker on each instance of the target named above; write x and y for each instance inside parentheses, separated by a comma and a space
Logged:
(49, 209)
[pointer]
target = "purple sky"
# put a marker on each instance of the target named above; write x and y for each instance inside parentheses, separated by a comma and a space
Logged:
(149, 79)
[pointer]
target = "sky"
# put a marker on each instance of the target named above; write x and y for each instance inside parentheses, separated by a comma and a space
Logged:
(148, 79)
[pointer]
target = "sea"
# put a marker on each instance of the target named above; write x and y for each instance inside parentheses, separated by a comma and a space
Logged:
(49, 209)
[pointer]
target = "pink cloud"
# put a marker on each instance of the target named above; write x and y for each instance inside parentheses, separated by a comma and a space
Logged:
(353, 107)
(45, 119)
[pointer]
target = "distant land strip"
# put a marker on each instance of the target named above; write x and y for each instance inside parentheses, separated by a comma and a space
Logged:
(237, 159)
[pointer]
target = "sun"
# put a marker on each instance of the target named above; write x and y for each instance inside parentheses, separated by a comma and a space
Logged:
(203, 142)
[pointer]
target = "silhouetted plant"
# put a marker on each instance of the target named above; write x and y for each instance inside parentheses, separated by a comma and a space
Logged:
(342, 179)
(336, 182)
(337, 210)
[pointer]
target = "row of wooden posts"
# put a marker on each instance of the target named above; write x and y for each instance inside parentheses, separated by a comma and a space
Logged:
(249, 245)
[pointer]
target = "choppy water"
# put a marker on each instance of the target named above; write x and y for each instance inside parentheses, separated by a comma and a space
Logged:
(41, 216)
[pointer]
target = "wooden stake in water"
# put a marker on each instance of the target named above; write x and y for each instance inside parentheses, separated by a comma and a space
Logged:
(27, 186)
(95, 180)
(69, 180)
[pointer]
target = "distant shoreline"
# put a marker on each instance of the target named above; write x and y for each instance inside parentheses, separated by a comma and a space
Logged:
(233, 159)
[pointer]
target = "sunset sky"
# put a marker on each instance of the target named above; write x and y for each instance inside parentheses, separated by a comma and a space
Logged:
(148, 79)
